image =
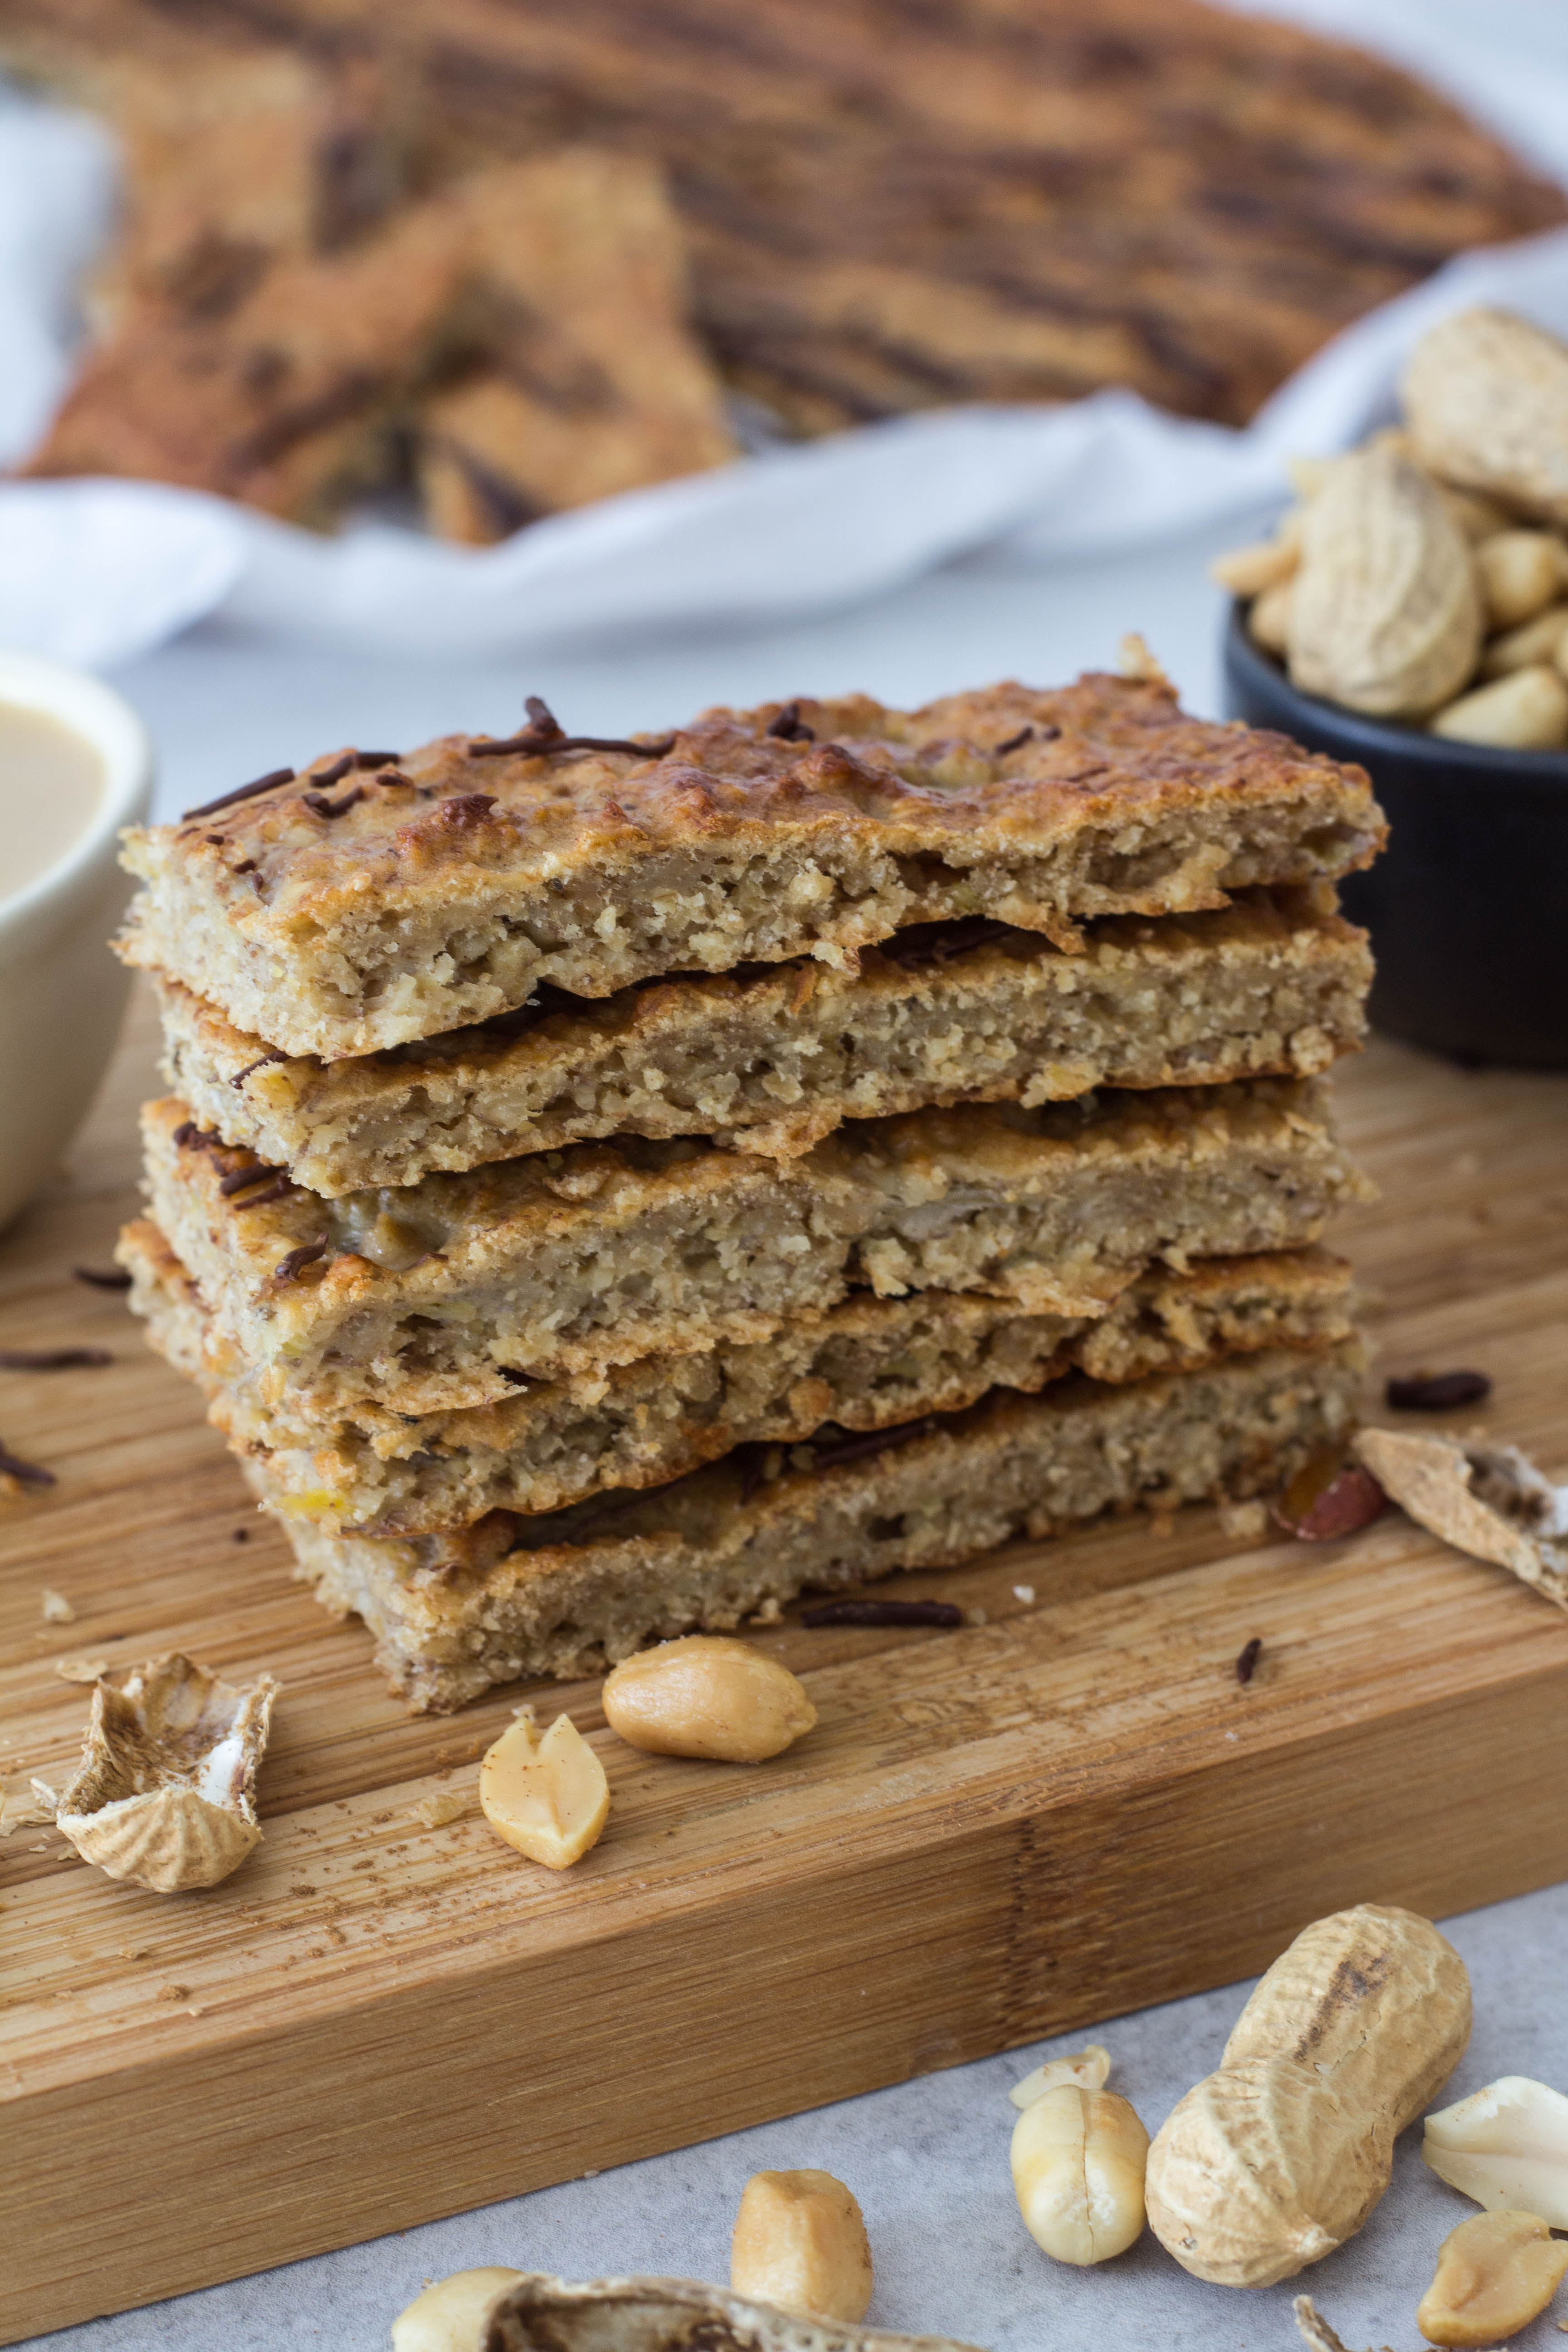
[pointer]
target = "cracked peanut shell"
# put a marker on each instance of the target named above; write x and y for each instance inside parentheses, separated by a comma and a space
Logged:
(664, 2314)
(164, 1793)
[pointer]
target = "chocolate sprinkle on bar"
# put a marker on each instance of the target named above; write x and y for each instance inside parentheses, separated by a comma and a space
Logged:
(242, 792)
(288, 1267)
(320, 805)
(376, 759)
(1245, 1665)
(832, 1445)
(239, 1179)
(52, 1359)
(105, 1277)
(274, 1192)
(883, 1612)
(271, 1054)
(546, 733)
(336, 772)
(787, 726)
(1014, 743)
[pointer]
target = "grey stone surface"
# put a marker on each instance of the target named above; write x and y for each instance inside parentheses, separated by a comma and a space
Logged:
(928, 2160)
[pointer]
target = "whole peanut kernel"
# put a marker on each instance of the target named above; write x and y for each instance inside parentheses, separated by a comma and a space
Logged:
(1079, 2158)
(545, 1795)
(1495, 2273)
(707, 1697)
(800, 2242)
(1520, 572)
(1525, 711)
(449, 2315)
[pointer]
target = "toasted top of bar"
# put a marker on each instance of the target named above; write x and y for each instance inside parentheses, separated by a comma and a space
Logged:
(370, 901)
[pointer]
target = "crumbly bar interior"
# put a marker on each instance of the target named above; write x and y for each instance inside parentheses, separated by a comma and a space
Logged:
(868, 1364)
(446, 1293)
(346, 910)
(774, 1059)
(570, 1594)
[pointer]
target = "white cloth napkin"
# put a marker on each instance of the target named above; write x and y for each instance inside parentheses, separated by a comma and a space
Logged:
(97, 572)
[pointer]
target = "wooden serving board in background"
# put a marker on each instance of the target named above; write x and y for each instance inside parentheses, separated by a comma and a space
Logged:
(1034, 1823)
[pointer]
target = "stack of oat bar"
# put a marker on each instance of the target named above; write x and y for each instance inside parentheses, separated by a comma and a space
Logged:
(610, 1187)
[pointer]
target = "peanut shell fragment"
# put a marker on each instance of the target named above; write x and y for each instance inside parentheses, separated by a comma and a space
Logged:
(1488, 1501)
(1507, 2146)
(1386, 615)
(450, 2315)
(1496, 2273)
(800, 2242)
(1486, 396)
(707, 1696)
(546, 1793)
(165, 1791)
(1281, 2154)
(661, 2315)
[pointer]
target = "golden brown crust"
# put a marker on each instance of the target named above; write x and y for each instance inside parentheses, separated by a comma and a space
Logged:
(414, 900)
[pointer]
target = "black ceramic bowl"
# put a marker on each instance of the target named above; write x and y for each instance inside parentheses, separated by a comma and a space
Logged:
(1467, 906)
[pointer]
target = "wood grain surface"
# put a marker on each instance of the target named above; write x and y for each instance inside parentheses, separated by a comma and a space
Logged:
(1064, 1812)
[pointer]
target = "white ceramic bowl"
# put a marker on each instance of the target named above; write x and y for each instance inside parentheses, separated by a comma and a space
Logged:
(62, 993)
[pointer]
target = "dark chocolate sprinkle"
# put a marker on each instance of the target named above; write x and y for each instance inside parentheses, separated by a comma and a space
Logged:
(239, 1179)
(1437, 1392)
(1014, 743)
(336, 772)
(1246, 1663)
(883, 1612)
(320, 805)
(546, 733)
(376, 759)
(52, 1359)
(273, 1193)
(189, 1137)
(831, 1447)
(288, 1267)
(241, 792)
(102, 1278)
(788, 728)
(271, 1054)
(31, 1474)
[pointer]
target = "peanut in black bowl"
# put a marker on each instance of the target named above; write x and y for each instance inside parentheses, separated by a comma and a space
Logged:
(1468, 906)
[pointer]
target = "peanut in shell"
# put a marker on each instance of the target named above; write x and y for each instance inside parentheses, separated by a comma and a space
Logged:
(1385, 613)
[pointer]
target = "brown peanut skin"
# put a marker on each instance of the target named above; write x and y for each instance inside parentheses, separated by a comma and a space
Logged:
(1280, 2155)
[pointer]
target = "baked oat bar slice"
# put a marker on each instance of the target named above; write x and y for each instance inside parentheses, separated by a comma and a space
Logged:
(366, 903)
(868, 1364)
(772, 1059)
(572, 1591)
(457, 1289)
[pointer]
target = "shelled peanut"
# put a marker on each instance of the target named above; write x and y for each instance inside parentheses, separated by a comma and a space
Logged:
(1424, 576)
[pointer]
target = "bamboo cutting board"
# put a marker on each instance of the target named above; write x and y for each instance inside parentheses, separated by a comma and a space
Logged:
(1029, 1825)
